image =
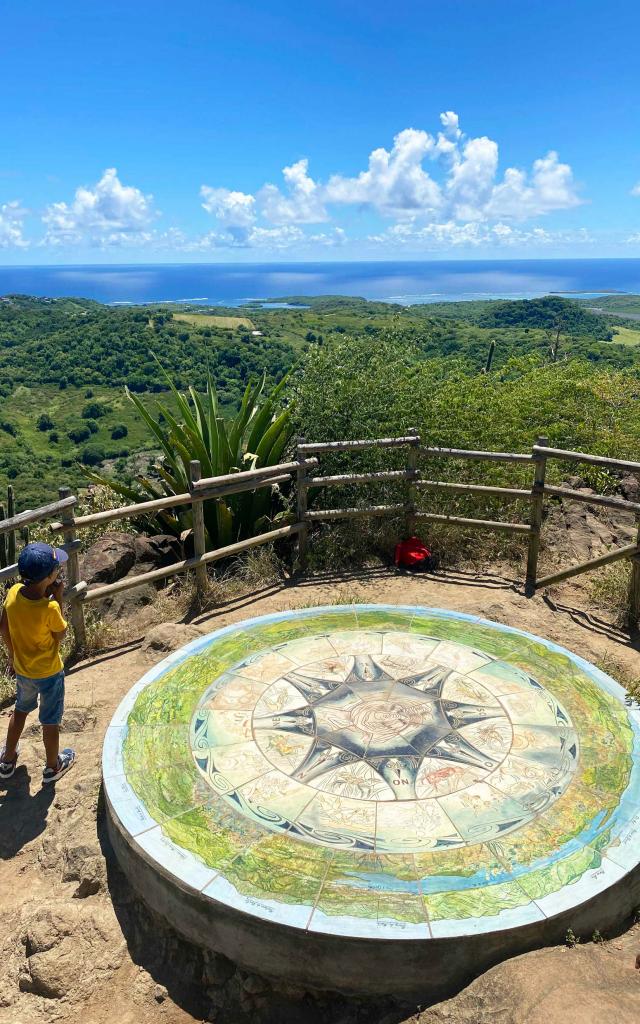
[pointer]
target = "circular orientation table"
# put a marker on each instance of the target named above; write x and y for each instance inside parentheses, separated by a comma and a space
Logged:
(377, 798)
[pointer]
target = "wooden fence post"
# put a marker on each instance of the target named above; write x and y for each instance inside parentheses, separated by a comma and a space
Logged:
(412, 490)
(76, 610)
(11, 537)
(634, 585)
(199, 541)
(301, 508)
(3, 543)
(537, 502)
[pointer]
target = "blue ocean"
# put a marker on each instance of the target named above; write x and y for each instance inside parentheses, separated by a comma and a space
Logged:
(232, 284)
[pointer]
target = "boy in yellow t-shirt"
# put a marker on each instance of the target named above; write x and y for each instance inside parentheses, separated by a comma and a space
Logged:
(32, 627)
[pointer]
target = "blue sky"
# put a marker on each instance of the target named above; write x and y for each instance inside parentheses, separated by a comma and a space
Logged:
(155, 131)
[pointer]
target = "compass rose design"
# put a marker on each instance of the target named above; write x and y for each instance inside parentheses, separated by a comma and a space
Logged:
(389, 723)
(413, 745)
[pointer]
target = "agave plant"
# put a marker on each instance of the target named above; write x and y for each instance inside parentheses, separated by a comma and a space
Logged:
(255, 437)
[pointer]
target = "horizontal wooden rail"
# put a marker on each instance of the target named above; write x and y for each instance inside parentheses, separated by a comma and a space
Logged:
(207, 483)
(218, 493)
(592, 460)
(361, 478)
(507, 493)
(174, 501)
(12, 570)
(480, 524)
(35, 515)
(595, 563)
(189, 563)
(355, 446)
(592, 499)
(142, 508)
(354, 513)
(465, 453)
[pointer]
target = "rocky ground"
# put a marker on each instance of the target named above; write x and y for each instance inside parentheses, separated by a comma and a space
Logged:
(77, 945)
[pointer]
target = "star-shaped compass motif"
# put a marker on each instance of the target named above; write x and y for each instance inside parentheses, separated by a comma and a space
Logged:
(373, 718)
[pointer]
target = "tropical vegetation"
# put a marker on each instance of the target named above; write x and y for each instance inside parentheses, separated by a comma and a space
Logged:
(195, 429)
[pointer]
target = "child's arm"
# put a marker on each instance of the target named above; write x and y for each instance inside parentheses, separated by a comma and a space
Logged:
(6, 636)
(57, 593)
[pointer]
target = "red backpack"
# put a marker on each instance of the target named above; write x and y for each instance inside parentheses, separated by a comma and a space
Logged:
(410, 553)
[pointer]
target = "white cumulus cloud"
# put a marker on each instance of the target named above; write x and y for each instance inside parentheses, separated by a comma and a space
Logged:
(107, 213)
(300, 203)
(11, 225)
(233, 209)
(395, 182)
(550, 187)
(441, 184)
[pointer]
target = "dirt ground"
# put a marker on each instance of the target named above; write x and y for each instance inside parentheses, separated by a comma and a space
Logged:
(77, 946)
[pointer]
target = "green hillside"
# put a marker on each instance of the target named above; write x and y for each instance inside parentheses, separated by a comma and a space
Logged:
(60, 357)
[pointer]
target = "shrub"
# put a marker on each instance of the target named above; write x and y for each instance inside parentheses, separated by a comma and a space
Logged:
(93, 426)
(93, 411)
(382, 386)
(93, 454)
(8, 428)
(54, 437)
(44, 422)
(79, 434)
(119, 431)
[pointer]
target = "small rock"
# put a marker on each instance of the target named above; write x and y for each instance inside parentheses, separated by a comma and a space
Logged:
(160, 993)
(84, 864)
(630, 487)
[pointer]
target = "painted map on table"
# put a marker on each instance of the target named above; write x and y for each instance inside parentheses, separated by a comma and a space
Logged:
(380, 771)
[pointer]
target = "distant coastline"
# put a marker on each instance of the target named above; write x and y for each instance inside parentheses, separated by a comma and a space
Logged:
(401, 282)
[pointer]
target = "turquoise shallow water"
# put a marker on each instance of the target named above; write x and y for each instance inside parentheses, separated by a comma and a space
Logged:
(397, 281)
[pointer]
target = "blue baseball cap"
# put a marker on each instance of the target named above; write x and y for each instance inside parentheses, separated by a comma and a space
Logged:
(38, 560)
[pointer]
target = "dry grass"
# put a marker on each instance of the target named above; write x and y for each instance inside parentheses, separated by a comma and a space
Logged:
(345, 593)
(609, 588)
(258, 568)
(615, 668)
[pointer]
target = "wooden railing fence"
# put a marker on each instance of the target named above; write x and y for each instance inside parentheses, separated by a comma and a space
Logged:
(300, 471)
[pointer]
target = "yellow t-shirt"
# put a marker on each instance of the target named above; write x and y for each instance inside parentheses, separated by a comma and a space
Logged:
(31, 626)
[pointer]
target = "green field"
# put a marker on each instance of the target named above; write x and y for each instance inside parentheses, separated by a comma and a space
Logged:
(211, 320)
(626, 335)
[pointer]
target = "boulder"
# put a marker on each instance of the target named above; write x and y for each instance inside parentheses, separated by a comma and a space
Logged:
(109, 559)
(70, 949)
(167, 637)
(158, 551)
(127, 602)
(592, 983)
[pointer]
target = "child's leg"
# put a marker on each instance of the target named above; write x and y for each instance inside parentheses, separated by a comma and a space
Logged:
(51, 740)
(26, 701)
(51, 709)
(14, 732)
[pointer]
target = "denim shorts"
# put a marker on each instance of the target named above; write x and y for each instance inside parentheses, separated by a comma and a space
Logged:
(51, 693)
